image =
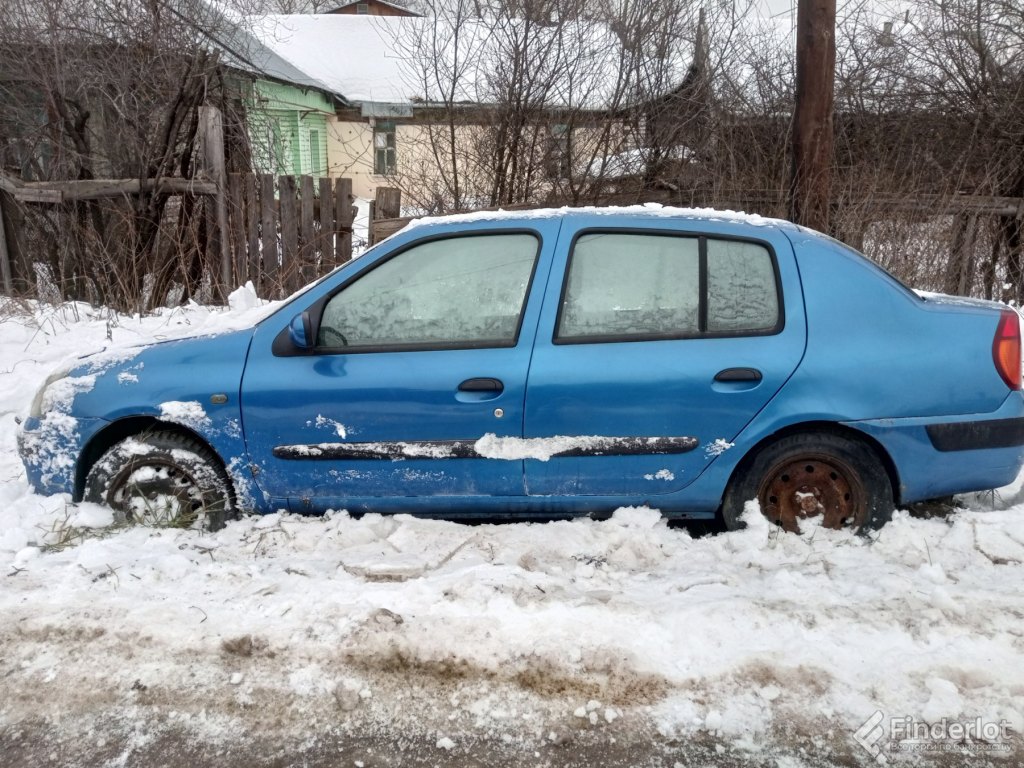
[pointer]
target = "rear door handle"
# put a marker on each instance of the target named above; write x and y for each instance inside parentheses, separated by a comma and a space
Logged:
(738, 374)
(481, 385)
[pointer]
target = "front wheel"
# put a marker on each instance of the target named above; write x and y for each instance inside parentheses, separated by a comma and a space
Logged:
(817, 474)
(162, 479)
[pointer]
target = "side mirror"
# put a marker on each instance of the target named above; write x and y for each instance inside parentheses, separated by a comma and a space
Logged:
(301, 331)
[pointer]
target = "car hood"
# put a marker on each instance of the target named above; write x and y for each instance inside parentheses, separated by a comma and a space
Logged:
(137, 379)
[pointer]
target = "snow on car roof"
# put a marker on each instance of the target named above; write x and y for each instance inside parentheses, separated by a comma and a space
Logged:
(646, 210)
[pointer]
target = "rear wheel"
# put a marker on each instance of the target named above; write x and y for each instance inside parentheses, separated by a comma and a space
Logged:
(162, 479)
(816, 474)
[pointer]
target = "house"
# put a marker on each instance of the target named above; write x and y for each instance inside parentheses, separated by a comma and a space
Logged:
(416, 113)
(288, 128)
(373, 8)
(374, 127)
(287, 110)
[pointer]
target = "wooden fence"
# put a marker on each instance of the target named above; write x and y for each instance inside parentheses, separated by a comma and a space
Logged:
(280, 232)
(284, 231)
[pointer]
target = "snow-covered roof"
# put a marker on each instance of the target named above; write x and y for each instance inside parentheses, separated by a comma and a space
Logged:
(354, 56)
(248, 52)
(385, 3)
(634, 162)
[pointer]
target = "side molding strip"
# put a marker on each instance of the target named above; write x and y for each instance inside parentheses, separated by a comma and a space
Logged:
(467, 449)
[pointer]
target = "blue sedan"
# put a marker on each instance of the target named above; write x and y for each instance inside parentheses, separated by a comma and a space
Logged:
(557, 362)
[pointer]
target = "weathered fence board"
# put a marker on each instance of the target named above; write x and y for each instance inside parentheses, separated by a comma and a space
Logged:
(325, 241)
(307, 232)
(287, 230)
(268, 227)
(286, 189)
(388, 203)
(252, 226)
(236, 217)
(344, 213)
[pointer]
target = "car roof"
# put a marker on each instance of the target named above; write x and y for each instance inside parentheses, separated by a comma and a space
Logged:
(646, 211)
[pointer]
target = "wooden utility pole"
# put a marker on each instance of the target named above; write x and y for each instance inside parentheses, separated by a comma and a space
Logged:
(810, 182)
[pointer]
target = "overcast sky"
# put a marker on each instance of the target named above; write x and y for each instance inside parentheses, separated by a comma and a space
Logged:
(776, 7)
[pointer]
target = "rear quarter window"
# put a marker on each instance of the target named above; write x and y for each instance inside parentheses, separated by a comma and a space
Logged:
(742, 294)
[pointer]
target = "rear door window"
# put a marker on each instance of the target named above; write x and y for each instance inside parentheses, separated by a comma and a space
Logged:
(632, 286)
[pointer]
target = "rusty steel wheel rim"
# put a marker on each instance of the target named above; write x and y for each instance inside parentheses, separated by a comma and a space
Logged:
(813, 485)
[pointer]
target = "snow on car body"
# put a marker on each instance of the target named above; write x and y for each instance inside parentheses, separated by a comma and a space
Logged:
(568, 361)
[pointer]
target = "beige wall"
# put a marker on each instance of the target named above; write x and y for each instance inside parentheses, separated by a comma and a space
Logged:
(350, 155)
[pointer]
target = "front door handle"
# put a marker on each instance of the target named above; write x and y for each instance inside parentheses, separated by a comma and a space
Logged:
(481, 385)
(738, 374)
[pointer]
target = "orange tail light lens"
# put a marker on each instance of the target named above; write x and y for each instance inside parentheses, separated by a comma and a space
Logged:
(1006, 348)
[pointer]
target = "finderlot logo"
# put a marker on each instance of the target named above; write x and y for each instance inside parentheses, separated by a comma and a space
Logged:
(883, 737)
(870, 734)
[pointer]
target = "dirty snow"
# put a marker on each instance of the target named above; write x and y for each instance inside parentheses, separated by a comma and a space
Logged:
(529, 637)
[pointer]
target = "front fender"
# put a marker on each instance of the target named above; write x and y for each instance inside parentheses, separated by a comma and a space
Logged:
(193, 383)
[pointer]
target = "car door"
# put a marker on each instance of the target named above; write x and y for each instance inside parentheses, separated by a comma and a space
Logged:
(417, 355)
(658, 343)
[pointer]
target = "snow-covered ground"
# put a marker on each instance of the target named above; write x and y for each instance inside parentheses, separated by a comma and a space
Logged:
(384, 641)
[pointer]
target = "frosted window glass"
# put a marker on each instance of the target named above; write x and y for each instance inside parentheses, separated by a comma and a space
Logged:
(626, 285)
(741, 287)
(464, 290)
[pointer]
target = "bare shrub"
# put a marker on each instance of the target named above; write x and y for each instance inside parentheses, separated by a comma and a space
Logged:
(109, 89)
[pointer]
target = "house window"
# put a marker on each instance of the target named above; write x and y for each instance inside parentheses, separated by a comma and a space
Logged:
(314, 153)
(363, 8)
(559, 160)
(385, 161)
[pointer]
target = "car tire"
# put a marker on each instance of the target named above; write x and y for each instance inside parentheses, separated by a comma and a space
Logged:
(811, 474)
(162, 479)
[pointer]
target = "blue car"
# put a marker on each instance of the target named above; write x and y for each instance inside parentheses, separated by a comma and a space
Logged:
(559, 362)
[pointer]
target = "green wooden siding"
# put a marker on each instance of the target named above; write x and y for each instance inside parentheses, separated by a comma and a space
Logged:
(288, 129)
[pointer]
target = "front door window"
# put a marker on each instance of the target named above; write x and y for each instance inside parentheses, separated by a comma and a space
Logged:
(465, 292)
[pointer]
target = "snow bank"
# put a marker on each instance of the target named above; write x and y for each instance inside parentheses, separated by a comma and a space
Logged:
(530, 631)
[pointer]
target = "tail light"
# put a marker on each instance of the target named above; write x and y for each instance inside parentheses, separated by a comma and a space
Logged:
(1006, 348)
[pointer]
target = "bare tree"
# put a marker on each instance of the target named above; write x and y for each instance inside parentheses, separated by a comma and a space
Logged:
(968, 58)
(110, 89)
(536, 100)
(929, 109)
